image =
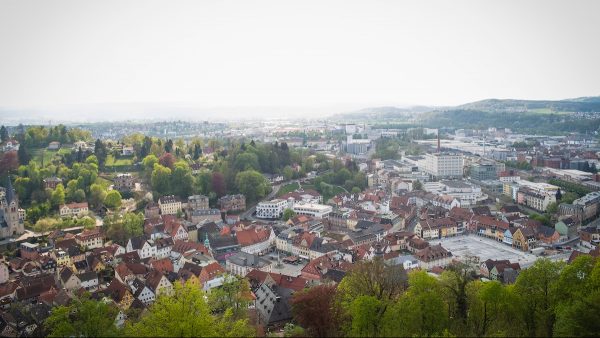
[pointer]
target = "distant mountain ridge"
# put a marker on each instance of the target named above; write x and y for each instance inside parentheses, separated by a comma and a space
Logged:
(580, 104)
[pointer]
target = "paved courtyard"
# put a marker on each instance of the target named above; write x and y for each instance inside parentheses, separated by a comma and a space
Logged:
(285, 269)
(484, 248)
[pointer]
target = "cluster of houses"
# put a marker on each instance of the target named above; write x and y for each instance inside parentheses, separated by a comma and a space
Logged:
(188, 241)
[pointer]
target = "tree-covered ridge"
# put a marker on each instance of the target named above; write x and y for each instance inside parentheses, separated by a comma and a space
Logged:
(188, 312)
(373, 300)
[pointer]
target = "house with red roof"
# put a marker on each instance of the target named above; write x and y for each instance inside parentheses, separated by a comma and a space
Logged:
(212, 276)
(255, 239)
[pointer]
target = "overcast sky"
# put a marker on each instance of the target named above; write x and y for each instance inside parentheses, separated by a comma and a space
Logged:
(296, 53)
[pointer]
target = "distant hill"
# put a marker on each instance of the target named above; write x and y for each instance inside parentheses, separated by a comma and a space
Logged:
(547, 116)
(385, 112)
(582, 104)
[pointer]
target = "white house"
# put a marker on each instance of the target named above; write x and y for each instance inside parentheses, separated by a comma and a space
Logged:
(73, 209)
(143, 247)
(169, 205)
(3, 273)
(89, 280)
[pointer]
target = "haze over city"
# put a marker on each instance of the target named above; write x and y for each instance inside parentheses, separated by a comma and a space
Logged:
(279, 168)
(117, 59)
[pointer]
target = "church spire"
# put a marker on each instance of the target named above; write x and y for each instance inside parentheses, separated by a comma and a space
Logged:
(10, 191)
(206, 241)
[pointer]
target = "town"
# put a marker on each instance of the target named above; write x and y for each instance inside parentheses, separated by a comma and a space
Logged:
(295, 228)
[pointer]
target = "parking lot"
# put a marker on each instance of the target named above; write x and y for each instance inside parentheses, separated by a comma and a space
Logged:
(484, 248)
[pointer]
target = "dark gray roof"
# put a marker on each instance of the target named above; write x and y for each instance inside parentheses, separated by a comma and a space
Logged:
(206, 212)
(273, 303)
(138, 242)
(87, 276)
(318, 246)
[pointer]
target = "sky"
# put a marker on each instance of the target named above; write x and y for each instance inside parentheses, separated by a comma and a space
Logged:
(294, 54)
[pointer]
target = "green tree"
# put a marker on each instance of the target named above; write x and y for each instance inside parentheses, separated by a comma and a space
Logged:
(252, 184)
(288, 213)
(113, 199)
(78, 196)
(487, 308)
(58, 196)
(536, 286)
(578, 309)
(23, 155)
(421, 311)
(202, 183)
(246, 161)
(234, 295)
(288, 172)
(375, 286)
(186, 314)
(161, 179)
(82, 318)
(133, 224)
(3, 134)
(182, 180)
(100, 152)
(365, 312)
(97, 195)
(454, 282)
(148, 162)
(552, 208)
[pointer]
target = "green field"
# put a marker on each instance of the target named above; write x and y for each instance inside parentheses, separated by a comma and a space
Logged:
(288, 188)
(36, 155)
(104, 182)
(111, 161)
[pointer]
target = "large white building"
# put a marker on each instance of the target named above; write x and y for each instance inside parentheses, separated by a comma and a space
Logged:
(467, 193)
(442, 165)
(312, 209)
(271, 209)
(169, 205)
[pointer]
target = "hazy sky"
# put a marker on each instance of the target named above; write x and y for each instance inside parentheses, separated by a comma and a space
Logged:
(296, 53)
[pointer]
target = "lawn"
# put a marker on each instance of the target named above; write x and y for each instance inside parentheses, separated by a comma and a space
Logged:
(111, 161)
(104, 182)
(37, 154)
(288, 188)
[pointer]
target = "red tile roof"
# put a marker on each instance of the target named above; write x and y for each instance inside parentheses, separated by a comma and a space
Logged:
(252, 236)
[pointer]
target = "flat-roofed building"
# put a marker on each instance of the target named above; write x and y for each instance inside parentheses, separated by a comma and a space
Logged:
(312, 209)
(443, 165)
(271, 209)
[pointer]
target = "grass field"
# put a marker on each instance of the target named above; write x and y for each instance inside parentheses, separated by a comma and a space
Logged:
(111, 161)
(104, 182)
(37, 154)
(288, 188)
